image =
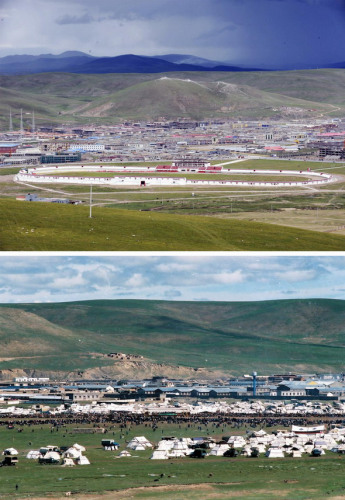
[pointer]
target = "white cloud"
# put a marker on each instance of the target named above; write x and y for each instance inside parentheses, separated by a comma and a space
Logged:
(68, 282)
(174, 266)
(45, 278)
(296, 275)
(136, 280)
(230, 278)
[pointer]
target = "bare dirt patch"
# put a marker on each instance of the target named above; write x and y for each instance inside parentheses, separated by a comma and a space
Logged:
(174, 492)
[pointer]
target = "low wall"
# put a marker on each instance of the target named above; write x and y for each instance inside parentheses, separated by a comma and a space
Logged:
(44, 175)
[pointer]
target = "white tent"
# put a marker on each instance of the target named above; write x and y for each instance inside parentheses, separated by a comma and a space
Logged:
(33, 454)
(67, 462)
(219, 450)
(176, 453)
(259, 433)
(308, 448)
(237, 441)
(137, 447)
(10, 451)
(320, 443)
(275, 453)
(160, 455)
(139, 443)
(52, 455)
(246, 451)
(124, 453)
(82, 460)
(79, 447)
(164, 445)
(261, 447)
(72, 453)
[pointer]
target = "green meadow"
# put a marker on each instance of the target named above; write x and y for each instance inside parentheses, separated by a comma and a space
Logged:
(138, 477)
(44, 226)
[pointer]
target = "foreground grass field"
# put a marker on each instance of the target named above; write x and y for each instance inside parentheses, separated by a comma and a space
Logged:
(43, 226)
(138, 477)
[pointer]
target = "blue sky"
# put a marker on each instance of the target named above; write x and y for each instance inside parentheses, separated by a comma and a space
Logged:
(263, 33)
(47, 278)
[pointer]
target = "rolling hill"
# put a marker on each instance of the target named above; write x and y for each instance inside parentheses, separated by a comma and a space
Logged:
(192, 99)
(236, 337)
(110, 98)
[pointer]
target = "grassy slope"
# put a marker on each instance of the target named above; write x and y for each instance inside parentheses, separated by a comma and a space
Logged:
(322, 85)
(114, 97)
(41, 226)
(304, 335)
(174, 97)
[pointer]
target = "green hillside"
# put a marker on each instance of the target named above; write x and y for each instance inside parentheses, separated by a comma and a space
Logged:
(108, 98)
(48, 226)
(321, 85)
(270, 336)
(173, 97)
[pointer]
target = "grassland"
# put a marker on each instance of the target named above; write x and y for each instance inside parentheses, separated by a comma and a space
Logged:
(111, 98)
(138, 477)
(43, 226)
(300, 335)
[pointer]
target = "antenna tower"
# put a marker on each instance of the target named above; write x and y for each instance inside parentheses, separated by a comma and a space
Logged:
(21, 123)
(11, 123)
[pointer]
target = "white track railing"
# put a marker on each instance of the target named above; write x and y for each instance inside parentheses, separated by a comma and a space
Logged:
(46, 175)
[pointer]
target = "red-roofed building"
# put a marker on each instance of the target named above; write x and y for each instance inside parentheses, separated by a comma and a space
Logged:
(8, 148)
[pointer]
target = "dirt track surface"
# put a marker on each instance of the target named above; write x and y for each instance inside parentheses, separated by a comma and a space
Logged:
(181, 492)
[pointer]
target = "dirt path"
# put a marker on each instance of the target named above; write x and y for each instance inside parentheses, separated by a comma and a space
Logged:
(178, 492)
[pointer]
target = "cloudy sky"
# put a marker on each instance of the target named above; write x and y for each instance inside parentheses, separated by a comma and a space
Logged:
(45, 278)
(257, 32)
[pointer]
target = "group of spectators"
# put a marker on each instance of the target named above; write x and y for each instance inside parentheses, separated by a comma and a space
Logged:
(127, 420)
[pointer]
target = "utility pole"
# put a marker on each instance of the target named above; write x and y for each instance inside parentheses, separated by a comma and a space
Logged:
(33, 127)
(21, 124)
(11, 123)
(90, 216)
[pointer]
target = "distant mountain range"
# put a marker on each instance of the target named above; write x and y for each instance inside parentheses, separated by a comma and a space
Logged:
(78, 62)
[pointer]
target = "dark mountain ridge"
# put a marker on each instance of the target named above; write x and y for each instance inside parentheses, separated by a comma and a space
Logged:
(78, 62)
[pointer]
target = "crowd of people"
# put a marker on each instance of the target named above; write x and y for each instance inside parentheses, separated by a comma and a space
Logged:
(126, 420)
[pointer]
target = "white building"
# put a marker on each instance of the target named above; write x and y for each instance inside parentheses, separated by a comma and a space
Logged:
(95, 148)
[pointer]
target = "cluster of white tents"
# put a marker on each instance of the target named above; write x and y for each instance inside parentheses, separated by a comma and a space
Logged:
(172, 448)
(238, 408)
(276, 445)
(51, 454)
